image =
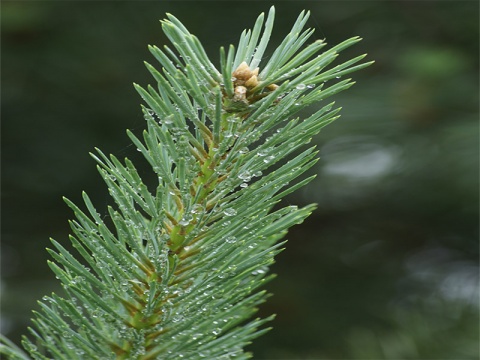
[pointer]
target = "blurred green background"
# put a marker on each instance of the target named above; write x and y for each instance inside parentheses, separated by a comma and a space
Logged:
(387, 268)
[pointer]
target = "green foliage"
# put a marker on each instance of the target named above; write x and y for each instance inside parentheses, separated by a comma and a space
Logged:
(174, 270)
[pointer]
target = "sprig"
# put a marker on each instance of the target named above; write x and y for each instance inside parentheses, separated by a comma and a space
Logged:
(177, 270)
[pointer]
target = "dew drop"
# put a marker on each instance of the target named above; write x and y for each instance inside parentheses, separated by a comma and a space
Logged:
(185, 221)
(268, 159)
(168, 120)
(197, 208)
(230, 212)
(196, 336)
(231, 239)
(177, 318)
(301, 86)
(245, 176)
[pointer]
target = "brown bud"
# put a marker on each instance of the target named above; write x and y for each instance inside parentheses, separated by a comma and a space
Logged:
(272, 87)
(242, 72)
(252, 82)
(240, 93)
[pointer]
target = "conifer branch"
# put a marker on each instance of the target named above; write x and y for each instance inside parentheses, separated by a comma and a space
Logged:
(177, 273)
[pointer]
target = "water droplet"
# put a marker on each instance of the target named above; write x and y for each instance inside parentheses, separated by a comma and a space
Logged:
(243, 185)
(268, 159)
(257, 173)
(168, 120)
(231, 239)
(243, 150)
(263, 152)
(301, 86)
(230, 212)
(197, 208)
(186, 220)
(177, 318)
(233, 119)
(245, 176)
(196, 336)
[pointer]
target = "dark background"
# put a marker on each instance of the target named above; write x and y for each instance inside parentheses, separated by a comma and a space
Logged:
(387, 268)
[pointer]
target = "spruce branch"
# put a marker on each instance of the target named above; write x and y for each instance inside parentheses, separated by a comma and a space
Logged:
(178, 272)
